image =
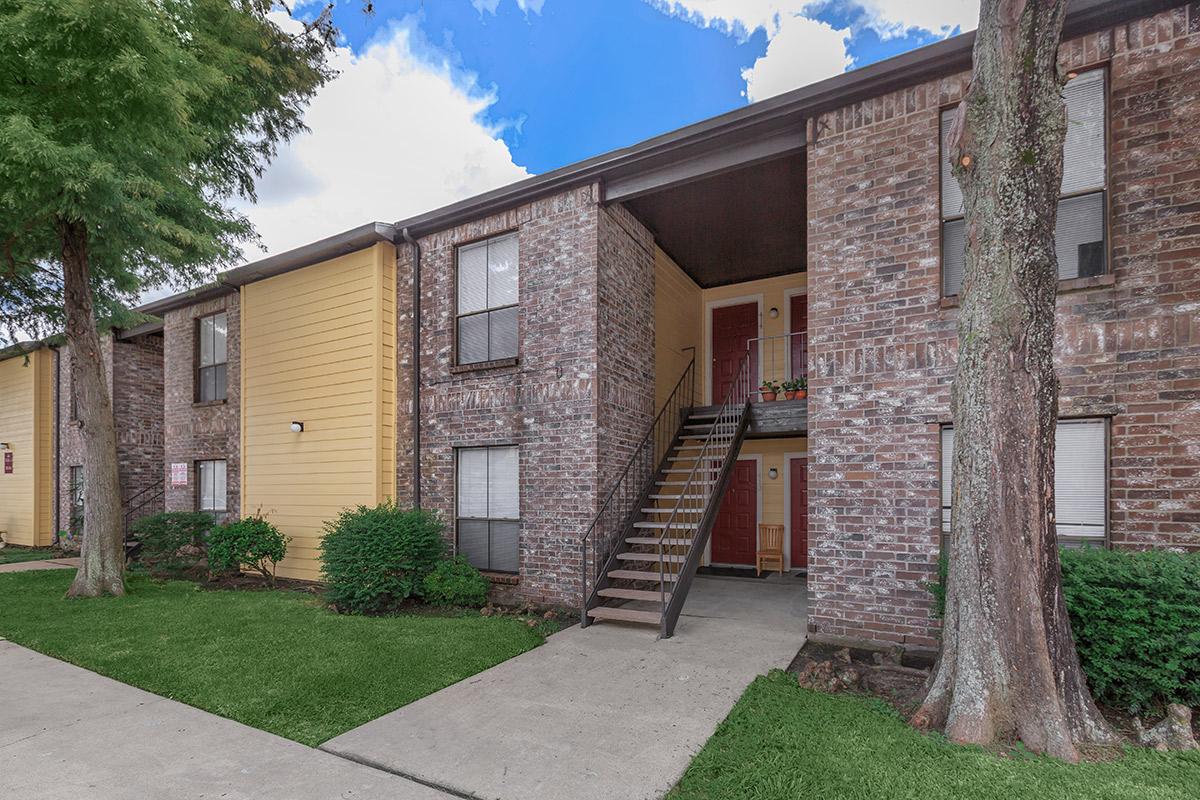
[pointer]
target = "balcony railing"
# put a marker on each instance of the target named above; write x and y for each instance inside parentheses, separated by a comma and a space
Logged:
(781, 357)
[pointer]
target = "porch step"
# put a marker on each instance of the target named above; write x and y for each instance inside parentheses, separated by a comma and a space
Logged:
(658, 526)
(634, 594)
(638, 575)
(654, 540)
(651, 557)
(625, 615)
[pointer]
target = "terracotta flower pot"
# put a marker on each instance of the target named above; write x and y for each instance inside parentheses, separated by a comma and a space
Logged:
(767, 397)
(789, 395)
(801, 394)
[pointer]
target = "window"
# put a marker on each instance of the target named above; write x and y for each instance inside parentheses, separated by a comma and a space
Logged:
(489, 507)
(210, 486)
(76, 494)
(1080, 481)
(212, 335)
(487, 300)
(1079, 234)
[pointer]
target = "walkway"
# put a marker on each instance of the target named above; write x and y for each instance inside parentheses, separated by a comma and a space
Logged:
(603, 712)
(52, 563)
(66, 733)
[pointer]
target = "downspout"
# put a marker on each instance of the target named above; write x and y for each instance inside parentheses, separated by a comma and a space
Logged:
(416, 365)
(57, 442)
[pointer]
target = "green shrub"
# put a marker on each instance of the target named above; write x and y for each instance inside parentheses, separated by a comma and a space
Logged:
(251, 541)
(1136, 620)
(372, 558)
(938, 588)
(164, 535)
(454, 582)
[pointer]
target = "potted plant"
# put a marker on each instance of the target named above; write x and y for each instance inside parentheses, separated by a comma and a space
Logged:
(789, 389)
(769, 391)
(801, 388)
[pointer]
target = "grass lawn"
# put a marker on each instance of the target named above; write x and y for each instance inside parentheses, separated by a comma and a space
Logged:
(12, 555)
(273, 660)
(782, 741)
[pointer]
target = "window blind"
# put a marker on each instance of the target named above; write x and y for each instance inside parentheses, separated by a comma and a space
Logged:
(489, 507)
(1080, 488)
(487, 298)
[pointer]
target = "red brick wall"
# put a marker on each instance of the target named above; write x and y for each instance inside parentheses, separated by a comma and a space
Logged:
(135, 383)
(200, 431)
(883, 347)
(571, 254)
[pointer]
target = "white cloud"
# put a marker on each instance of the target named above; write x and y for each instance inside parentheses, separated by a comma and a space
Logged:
(801, 52)
(737, 17)
(490, 6)
(396, 133)
(891, 18)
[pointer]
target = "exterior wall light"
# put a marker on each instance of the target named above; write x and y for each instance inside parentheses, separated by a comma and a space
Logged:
(4, 446)
(772, 473)
(297, 427)
(774, 313)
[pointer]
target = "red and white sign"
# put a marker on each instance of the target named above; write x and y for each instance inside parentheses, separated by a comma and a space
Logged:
(8, 462)
(179, 474)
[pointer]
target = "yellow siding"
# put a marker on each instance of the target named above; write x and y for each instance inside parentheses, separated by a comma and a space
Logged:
(27, 426)
(772, 451)
(318, 347)
(677, 309)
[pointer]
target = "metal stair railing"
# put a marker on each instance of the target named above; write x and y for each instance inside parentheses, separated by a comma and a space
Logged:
(600, 542)
(710, 474)
(139, 500)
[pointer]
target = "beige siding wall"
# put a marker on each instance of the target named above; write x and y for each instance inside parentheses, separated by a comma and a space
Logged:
(318, 348)
(27, 426)
(677, 308)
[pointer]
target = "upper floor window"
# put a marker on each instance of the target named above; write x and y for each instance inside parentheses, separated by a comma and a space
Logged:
(212, 333)
(1080, 481)
(487, 300)
(1079, 234)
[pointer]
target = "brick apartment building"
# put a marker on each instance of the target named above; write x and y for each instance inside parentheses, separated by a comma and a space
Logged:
(567, 369)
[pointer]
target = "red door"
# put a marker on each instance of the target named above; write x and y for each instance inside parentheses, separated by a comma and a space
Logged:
(798, 467)
(735, 534)
(732, 327)
(799, 315)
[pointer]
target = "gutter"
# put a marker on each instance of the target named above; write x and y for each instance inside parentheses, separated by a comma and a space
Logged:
(416, 365)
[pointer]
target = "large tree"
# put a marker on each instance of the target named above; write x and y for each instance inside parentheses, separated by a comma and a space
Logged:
(127, 127)
(1008, 669)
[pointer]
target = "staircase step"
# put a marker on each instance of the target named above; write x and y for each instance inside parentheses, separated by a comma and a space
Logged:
(691, 459)
(651, 557)
(709, 425)
(625, 615)
(671, 509)
(654, 540)
(676, 497)
(688, 470)
(637, 575)
(658, 526)
(700, 482)
(633, 594)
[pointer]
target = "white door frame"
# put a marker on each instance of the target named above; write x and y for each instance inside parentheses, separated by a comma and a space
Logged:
(757, 458)
(787, 503)
(787, 319)
(757, 299)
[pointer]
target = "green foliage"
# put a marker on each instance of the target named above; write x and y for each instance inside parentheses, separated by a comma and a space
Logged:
(164, 535)
(374, 557)
(251, 541)
(140, 121)
(938, 588)
(1136, 621)
(454, 582)
(784, 742)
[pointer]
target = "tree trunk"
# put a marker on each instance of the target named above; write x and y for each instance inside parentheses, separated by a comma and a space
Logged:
(1008, 669)
(102, 557)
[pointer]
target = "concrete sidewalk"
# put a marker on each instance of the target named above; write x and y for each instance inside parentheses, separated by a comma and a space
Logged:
(66, 733)
(609, 712)
(53, 563)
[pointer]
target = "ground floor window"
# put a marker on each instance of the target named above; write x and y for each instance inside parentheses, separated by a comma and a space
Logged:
(210, 486)
(488, 518)
(1080, 481)
(75, 490)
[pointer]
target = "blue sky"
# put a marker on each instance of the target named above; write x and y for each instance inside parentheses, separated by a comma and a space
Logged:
(441, 99)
